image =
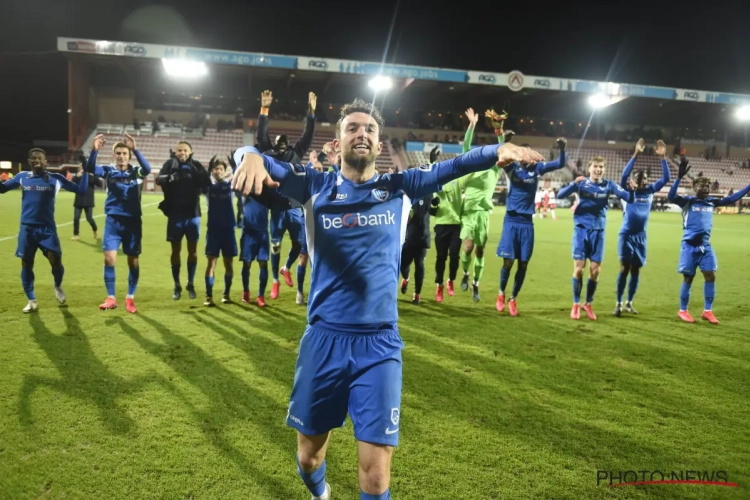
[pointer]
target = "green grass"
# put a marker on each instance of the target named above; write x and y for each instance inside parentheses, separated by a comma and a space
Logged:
(180, 401)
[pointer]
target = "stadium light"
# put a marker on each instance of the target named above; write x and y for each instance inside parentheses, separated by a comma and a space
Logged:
(598, 101)
(379, 83)
(743, 113)
(182, 68)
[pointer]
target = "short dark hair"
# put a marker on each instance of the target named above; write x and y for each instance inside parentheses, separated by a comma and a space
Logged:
(37, 150)
(360, 106)
(186, 142)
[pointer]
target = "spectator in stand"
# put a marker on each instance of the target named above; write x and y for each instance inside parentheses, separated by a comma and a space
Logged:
(280, 148)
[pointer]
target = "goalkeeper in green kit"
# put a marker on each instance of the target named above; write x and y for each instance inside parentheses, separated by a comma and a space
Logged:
(478, 189)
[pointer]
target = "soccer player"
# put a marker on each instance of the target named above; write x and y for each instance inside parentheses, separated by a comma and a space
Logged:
(254, 241)
(517, 240)
(447, 211)
(280, 148)
(697, 222)
(123, 224)
(220, 237)
(182, 179)
(538, 198)
(350, 355)
(590, 221)
(552, 202)
(38, 230)
(632, 239)
(85, 202)
(478, 189)
(416, 244)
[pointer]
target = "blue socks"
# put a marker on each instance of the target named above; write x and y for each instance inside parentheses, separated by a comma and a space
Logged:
(275, 261)
(209, 286)
(518, 281)
(109, 280)
(622, 279)
(709, 292)
(577, 287)
(301, 270)
(386, 495)
(27, 280)
(133, 276)
(227, 283)
(633, 285)
(590, 290)
(191, 271)
(176, 274)
(245, 276)
(58, 272)
(684, 295)
(293, 254)
(504, 275)
(315, 480)
(263, 281)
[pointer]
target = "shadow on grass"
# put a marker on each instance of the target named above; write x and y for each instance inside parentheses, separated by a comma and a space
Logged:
(231, 400)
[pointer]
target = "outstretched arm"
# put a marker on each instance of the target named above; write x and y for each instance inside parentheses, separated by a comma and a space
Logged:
(639, 147)
(548, 166)
(661, 150)
(304, 142)
(675, 198)
(732, 199)
(11, 184)
(568, 190)
(469, 136)
(623, 194)
(71, 186)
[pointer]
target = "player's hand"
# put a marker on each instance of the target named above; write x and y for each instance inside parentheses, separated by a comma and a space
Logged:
(313, 156)
(632, 184)
(472, 116)
(562, 143)
(579, 179)
(684, 168)
(661, 148)
(130, 142)
(640, 146)
(434, 154)
(266, 99)
(80, 171)
(328, 148)
(251, 176)
(312, 102)
(98, 142)
(508, 135)
(435, 201)
(510, 153)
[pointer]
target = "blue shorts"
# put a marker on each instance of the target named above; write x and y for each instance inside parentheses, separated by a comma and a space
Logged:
(339, 372)
(516, 242)
(632, 248)
(127, 231)
(588, 244)
(32, 238)
(221, 241)
(255, 245)
(692, 257)
(189, 228)
(286, 220)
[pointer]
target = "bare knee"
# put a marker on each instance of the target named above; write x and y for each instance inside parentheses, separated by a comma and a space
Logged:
(110, 258)
(594, 268)
(709, 276)
(688, 279)
(578, 267)
(132, 262)
(479, 252)
(311, 451)
(468, 246)
(303, 259)
(625, 268)
(374, 467)
(508, 264)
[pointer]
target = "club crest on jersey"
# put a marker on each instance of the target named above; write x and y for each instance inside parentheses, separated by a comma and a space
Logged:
(381, 194)
(395, 416)
(425, 168)
(299, 170)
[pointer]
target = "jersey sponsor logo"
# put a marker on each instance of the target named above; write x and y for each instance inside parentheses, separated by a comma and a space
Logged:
(39, 187)
(641, 199)
(695, 208)
(381, 194)
(358, 220)
(341, 197)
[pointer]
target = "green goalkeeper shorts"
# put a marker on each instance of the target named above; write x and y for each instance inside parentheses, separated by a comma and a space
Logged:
(475, 226)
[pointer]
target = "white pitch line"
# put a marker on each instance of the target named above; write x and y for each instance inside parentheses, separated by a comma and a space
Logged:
(71, 222)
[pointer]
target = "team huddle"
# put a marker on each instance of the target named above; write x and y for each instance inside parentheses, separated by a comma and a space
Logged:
(359, 230)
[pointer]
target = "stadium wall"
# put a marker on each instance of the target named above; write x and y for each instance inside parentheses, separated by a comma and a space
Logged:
(114, 105)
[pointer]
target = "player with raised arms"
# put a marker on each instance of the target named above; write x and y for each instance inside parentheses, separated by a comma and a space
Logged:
(632, 239)
(38, 230)
(517, 239)
(123, 225)
(590, 221)
(697, 252)
(350, 355)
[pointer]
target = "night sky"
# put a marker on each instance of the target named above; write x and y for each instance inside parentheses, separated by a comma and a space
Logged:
(703, 46)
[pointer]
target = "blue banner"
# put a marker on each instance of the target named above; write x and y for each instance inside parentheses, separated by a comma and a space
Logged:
(398, 71)
(241, 58)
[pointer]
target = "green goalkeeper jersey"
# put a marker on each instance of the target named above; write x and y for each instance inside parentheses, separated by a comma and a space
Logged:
(479, 186)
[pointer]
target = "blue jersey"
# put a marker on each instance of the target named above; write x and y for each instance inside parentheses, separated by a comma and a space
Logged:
(591, 212)
(254, 215)
(355, 233)
(220, 205)
(39, 193)
(523, 183)
(638, 209)
(698, 214)
(123, 187)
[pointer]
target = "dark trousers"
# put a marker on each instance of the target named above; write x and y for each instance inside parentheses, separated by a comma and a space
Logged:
(77, 219)
(414, 252)
(447, 242)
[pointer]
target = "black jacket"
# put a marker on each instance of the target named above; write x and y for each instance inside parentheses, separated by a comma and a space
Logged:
(87, 200)
(182, 185)
(418, 226)
(293, 154)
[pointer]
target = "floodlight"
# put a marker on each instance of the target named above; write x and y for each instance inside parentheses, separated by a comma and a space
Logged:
(598, 101)
(184, 69)
(379, 83)
(743, 113)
